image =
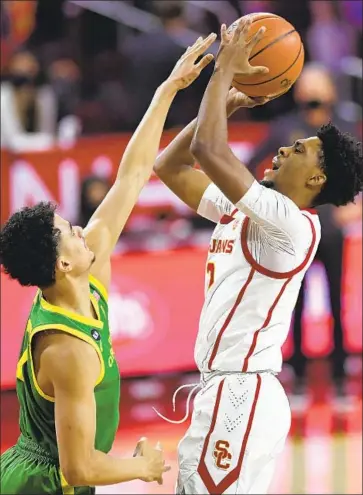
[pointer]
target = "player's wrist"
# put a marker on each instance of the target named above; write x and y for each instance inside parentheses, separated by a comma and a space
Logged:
(141, 467)
(224, 68)
(168, 89)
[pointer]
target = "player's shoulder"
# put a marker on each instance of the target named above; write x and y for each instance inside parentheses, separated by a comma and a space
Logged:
(311, 218)
(307, 231)
(302, 223)
(65, 355)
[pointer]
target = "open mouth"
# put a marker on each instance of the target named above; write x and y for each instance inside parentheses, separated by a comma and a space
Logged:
(275, 163)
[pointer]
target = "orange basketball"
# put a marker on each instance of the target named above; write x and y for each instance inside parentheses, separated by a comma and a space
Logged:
(280, 49)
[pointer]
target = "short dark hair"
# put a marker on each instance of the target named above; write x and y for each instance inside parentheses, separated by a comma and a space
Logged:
(342, 163)
(29, 245)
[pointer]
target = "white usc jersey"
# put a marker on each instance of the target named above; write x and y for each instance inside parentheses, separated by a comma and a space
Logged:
(257, 258)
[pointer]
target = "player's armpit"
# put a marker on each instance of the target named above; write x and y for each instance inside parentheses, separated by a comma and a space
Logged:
(73, 368)
(188, 183)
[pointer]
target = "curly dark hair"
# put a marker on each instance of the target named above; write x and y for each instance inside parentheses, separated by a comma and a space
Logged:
(342, 163)
(29, 245)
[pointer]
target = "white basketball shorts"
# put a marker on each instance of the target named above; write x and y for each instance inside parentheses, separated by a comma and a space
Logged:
(239, 426)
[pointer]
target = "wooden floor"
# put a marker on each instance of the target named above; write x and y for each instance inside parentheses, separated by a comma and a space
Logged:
(323, 453)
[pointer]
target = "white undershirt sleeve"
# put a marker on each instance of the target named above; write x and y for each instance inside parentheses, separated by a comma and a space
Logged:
(214, 204)
(276, 214)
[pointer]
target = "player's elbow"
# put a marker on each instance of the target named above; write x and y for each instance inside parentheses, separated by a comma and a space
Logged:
(77, 473)
(200, 149)
(160, 167)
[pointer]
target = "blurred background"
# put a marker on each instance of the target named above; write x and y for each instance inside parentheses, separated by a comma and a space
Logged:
(76, 78)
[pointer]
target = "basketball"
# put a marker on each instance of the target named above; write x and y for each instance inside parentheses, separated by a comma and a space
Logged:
(280, 49)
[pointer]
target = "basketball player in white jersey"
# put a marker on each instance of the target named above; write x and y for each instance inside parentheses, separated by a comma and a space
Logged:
(265, 239)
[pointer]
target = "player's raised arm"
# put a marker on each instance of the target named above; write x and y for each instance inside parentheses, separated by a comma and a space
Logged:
(276, 212)
(136, 165)
(175, 167)
(210, 142)
(75, 420)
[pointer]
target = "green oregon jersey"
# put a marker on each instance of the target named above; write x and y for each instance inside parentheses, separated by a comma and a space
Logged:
(37, 408)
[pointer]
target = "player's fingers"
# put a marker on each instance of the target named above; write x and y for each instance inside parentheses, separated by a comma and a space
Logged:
(194, 45)
(224, 34)
(260, 100)
(207, 59)
(201, 47)
(140, 446)
(238, 30)
(245, 27)
(233, 92)
(259, 69)
(256, 37)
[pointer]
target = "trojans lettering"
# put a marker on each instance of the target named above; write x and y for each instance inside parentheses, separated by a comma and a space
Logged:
(221, 246)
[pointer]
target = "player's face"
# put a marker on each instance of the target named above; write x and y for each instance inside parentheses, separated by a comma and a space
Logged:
(297, 167)
(74, 254)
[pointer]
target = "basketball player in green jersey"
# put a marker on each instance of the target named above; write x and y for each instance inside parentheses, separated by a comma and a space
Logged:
(67, 377)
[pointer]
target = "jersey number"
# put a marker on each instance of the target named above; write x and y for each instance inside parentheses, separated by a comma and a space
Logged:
(211, 269)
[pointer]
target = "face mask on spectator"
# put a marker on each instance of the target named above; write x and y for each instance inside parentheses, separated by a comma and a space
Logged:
(21, 80)
(314, 104)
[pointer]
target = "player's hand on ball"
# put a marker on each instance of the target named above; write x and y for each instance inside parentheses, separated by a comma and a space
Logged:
(154, 461)
(186, 69)
(236, 99)
(235, 48)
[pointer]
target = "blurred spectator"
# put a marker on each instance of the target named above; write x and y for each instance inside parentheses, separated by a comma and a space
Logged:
(28, 106)
(329, 38)
(315, 96)
(93, 191)
(151, 56)
(65, 78)
(111, 94)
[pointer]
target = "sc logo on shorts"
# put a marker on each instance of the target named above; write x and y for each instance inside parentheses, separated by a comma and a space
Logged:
(222, 455)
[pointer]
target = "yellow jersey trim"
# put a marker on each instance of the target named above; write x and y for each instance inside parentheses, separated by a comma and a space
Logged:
(69, 314)
(95, 306)
(29, 326)
(19, 366)
(24, 357)
(71, 331)
(99, 286)
(66, 488)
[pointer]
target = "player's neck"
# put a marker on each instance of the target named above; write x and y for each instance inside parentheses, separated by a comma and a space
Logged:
(302, 198)
(71, 294)
(301, 202)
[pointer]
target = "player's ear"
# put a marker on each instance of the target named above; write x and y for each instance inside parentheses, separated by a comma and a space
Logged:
(63, 265)
(317, 179)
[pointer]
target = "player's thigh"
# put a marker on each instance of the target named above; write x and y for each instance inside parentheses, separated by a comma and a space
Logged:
(20, 474)
(261, 480)
(239, 425)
